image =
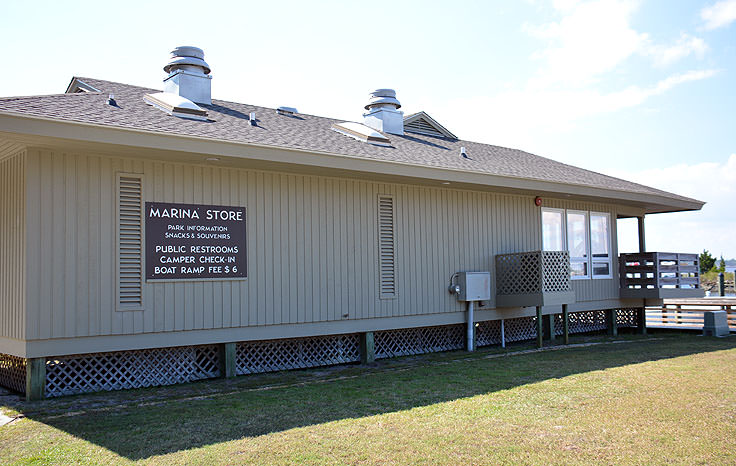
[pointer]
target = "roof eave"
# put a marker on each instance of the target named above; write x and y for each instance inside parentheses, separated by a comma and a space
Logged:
(38, 128)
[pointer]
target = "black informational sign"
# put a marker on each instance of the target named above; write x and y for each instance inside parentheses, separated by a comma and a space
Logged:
(192, 241)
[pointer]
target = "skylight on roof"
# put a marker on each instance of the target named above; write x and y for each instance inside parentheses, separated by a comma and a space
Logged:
(176, 105)
(361, 132)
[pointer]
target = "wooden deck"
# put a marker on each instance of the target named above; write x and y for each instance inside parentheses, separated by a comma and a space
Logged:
(687, 314)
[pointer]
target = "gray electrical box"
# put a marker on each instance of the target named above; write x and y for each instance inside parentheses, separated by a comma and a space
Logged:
(474, 286)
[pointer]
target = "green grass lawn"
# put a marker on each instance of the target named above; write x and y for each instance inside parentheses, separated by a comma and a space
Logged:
(662, 399)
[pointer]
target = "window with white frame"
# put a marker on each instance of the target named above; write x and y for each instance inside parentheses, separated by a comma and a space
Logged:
(577, 243)
(553, 231)
(600, 244)
(587, 237)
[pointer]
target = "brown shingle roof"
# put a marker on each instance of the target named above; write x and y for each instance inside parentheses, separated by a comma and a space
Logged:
(229, 122)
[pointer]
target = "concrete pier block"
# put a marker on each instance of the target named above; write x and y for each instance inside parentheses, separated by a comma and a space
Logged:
(715, 324)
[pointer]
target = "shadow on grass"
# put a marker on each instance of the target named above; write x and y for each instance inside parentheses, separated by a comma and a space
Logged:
(165, 420)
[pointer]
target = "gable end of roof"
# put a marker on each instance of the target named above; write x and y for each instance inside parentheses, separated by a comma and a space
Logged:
(77, 86)
(421, 123)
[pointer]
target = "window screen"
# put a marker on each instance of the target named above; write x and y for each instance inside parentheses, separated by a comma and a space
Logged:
(552, 230)
(600, 244)
(577, 243)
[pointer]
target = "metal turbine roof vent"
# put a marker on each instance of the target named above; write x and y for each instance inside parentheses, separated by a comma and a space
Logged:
(383, 98)
(383, 112)
(186, 57)
(189, 75)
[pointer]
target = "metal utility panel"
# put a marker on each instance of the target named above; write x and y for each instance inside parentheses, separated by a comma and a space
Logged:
(474, 286)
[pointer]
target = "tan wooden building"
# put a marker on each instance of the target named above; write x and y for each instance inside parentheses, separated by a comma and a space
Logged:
(124, 210)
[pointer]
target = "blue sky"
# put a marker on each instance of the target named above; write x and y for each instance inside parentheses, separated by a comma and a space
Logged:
(643, 90)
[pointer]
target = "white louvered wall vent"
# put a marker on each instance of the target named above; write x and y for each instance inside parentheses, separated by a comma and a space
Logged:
(130, 242)
(387, 246)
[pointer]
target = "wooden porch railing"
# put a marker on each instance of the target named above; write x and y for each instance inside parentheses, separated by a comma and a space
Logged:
(659, 275)
(687, 313)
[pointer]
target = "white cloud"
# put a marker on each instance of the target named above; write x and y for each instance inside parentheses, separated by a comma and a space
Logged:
(565, 4)
(672, 81)
(719, 14)
(591, 42)
(596, 37)
(592, 38)
(513, 117)
(711, 228)
(685, 46)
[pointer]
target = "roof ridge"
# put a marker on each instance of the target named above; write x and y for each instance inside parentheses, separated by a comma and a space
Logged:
(84, 79)
(214, 100)
(62, 94)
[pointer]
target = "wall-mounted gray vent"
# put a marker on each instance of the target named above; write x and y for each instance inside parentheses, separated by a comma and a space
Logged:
(387, 246)
(130, 242)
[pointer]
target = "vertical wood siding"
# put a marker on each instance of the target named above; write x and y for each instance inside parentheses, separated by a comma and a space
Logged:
(12, 246)
(312, 243)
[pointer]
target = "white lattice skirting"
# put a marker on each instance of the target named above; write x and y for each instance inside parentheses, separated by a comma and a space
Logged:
(84, 373)
(594, 321)
(252, 357)
(67, 375)
(582, 322)
(409, 341)
(628, 317)
(488, 333)
(523, 328)
(13, 372)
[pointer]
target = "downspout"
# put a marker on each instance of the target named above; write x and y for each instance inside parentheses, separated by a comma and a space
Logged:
(471, 325)
(503, 334)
